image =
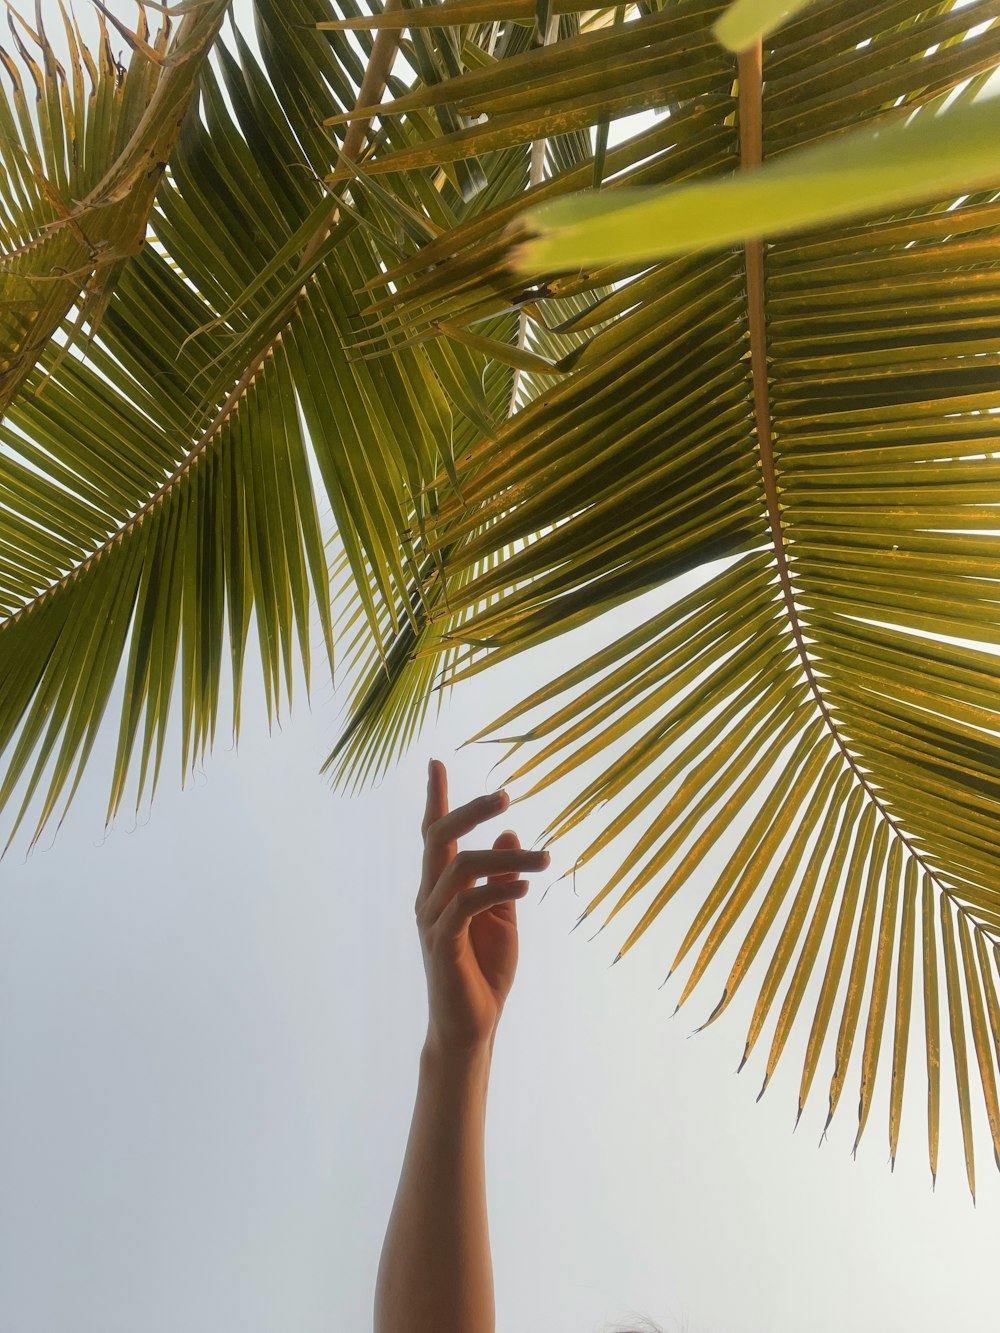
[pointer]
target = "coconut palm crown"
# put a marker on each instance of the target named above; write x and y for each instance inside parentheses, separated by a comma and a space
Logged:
(395, 265)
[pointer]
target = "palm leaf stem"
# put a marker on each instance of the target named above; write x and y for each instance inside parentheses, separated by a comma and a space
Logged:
(750, 76)
(95, 229)
(184, 467)
(373, 85)
(384, 50)
(535, 176)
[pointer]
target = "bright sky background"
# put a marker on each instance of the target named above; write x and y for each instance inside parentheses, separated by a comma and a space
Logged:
(209, 1031)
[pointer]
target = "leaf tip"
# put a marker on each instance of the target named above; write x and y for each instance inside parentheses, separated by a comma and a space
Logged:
(579, 921)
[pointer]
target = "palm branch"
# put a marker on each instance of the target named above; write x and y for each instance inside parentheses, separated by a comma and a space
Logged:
(509, 451)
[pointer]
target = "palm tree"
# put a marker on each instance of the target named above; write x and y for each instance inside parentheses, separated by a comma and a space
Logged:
(514, 439)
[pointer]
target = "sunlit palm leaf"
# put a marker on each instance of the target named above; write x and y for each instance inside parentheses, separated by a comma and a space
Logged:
(855, 175)
(163, 484)
(747, 20)
(881, 367)
(79, 192)
(810, 428)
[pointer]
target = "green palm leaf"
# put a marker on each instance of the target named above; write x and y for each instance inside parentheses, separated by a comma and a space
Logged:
(745, 21)
(163, 483)
(858, 173)
(805, 420)
(80, 190)
(879, 492)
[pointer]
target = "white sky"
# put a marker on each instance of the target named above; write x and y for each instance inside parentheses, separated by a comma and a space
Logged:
(209, 1030)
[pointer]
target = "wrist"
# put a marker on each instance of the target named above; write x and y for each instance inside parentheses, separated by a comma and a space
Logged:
(441, 1054)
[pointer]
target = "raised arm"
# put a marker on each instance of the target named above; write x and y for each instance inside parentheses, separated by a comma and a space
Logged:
(435, 1274)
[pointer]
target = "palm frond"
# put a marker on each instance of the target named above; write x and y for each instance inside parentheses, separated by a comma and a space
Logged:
(158, 493)
(81, 188)
(855, 477)
(806, 419)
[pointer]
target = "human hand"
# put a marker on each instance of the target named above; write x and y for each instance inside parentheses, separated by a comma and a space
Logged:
(468, 934)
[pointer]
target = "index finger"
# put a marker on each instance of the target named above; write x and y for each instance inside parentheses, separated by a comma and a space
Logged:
(437, 794)
(435, 858)
(441, 835)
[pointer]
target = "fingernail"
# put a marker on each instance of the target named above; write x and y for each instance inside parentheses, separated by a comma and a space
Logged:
(497, 797)
(429, 763)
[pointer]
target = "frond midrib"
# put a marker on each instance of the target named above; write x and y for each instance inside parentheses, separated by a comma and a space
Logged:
(179, 473)
(749, 66)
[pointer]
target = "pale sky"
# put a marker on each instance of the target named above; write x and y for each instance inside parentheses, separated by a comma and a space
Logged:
(209, 1032)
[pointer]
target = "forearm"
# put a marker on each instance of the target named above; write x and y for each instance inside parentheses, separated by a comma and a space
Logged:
(435, 1274)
